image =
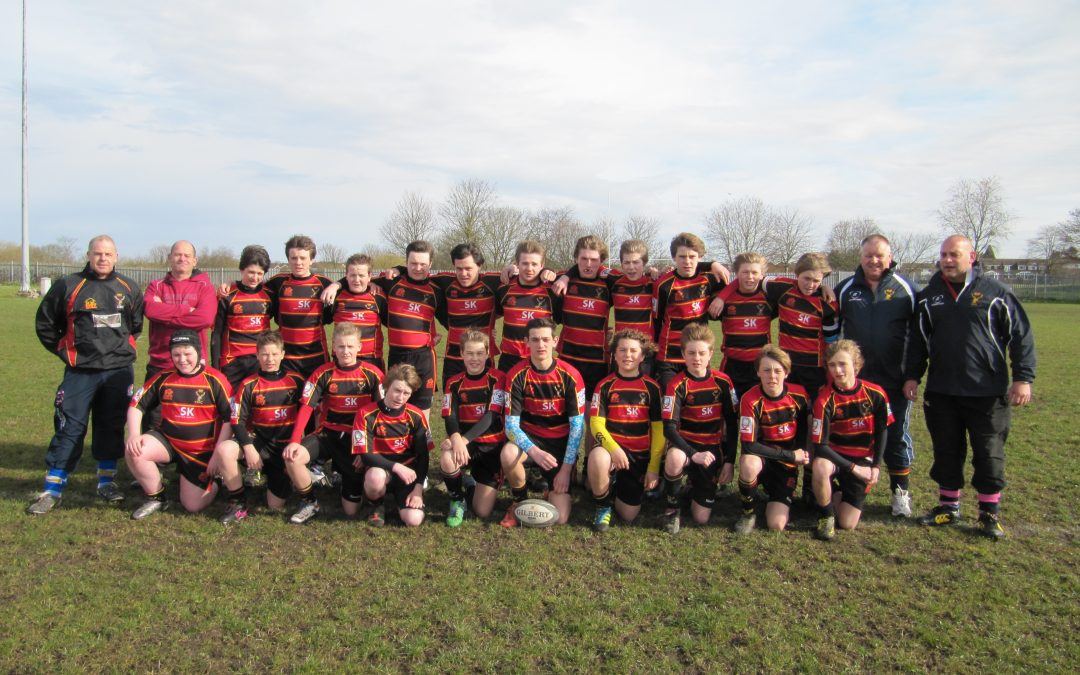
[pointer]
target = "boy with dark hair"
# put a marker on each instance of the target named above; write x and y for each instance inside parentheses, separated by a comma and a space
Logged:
(524, 298)
(298, 307)
(243, 313)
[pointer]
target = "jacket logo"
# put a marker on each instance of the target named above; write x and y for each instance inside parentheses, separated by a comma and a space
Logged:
(90, 303)
(975, 298)
(889, 293)
(119, 297)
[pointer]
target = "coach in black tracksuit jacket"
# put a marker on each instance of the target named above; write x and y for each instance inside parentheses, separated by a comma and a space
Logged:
(964, 325)
(878, 317)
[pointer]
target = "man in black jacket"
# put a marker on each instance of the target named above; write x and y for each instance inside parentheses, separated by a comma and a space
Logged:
(875, 308)
(965, 322)
(90, 321)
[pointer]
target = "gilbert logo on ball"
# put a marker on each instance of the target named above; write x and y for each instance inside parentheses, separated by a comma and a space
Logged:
(536, 513)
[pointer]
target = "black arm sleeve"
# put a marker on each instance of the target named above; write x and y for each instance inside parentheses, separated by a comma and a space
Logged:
(420, 450)
(881, 437)
(479, 428)
(767, 451)
(671, 432)
(376, 460)
(823, 450)
(219, 332)
(730, 445)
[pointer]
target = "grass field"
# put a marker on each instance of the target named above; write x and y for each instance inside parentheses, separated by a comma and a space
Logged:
(86, 588)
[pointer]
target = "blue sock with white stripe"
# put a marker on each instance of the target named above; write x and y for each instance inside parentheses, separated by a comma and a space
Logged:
(55, 481)
(106, 471)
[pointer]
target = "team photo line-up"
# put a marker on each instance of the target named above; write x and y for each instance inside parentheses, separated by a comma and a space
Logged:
(234, 402)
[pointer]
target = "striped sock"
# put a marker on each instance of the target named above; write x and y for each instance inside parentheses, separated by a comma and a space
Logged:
(106, 471)
(899, 478)
(949, 498)
(55, 481)
(990, 503)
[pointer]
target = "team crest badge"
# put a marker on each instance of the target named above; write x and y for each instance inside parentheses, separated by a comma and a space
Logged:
(731, 309)
(90, 304)
(166, 394)
(790, 302)
(453, 293)
(573, 289)
(260, 400)
(679, 295)
(975, 298)
(237, 309)
(287, 291)
(509, 302)
(333, 387)
(889, 293)
(119, 297)
(200, 395)
(866, 408)
(614, 398)
(400, 292)
(380, 429)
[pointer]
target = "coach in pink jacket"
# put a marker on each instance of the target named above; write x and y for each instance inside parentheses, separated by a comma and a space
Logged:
(183, 299)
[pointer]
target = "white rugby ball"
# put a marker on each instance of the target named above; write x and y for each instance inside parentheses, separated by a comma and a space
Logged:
(536, 513)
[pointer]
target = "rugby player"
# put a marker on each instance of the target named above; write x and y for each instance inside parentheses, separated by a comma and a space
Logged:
(298, 307)
(362, 303)
(243, 313)
(519, 301)
(746, 319)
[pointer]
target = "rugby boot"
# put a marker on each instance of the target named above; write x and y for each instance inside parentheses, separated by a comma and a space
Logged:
(510, 518)
(43, 503)
(940, 516)
(377, 518)
(149, 508)
(602, 520)
(826, 528)
(110, 492)
(990, 525)
(456, 513)
(234, 513)
(746, 523)
(672, 522)
(309, 508)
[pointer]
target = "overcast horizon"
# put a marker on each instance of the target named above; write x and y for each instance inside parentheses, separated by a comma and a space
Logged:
(243, 122)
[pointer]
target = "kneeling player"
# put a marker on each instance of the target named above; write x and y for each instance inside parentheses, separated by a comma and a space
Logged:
(624, 418)
(264, 411)
(849, 430)
(337, 391)
(391, 444)
(773, 429)
(699, 423)
(545, 422)
(194, 402)
(473, 404)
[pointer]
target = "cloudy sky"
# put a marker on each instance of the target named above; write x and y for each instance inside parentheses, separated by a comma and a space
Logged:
(238, 122)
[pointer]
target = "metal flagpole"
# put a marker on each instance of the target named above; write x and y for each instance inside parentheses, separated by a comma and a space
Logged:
(25, 206)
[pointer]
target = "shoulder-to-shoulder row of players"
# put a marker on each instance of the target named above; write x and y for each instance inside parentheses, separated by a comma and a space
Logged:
(286, 404)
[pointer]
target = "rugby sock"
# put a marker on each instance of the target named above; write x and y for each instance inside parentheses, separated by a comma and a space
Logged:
(671, 490)
(106, 471)
(55, 481)
(746, 494)
(604, 499)
(990, 503)
(158, 495)
(899, 478)
(238, 495)
(825, 511)
(950, 499)
(453, 485)
(307, 494)
(519, 493)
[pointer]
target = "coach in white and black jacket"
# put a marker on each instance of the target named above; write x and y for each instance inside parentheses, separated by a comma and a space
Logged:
(965, 323)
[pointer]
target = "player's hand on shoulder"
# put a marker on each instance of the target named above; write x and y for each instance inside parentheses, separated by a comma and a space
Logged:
(223, 289)
(559, 287)
(329, 293)
(715, 307)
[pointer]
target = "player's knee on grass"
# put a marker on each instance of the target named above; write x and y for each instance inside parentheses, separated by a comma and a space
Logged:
(777, 515)
(626, 512)
(700, 513)
(194, 498)
(483, 502)
(411, 517)
(847, 516)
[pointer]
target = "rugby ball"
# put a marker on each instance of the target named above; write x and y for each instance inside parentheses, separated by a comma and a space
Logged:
(536, 513)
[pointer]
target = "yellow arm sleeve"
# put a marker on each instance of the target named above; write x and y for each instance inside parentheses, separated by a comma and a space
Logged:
(656, 446)
(598, 427)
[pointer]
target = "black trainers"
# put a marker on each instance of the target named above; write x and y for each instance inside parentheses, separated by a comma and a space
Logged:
(826, 528)
(110, 492)
(43, 503)
(940, 516)
(990, 525)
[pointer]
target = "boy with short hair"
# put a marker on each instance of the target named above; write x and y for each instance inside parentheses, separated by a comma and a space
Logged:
(746, 319)
(524, 298)
(699, 413)
(298, 308)
(243, 313)
(362, 303)
(473, 405)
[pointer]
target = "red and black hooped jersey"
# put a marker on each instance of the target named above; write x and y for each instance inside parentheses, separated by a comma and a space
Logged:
(193, 407)
(545, 399)
(779, 422)
(468, 398)
(299, 314)
(632, 300)
(584, 310)
(629, 406)
(410, 311)
(677, 303)
(851, 418)
(746, 321)
(379, 432)
(265, 404)
(703, 408)
(367, 311)
(337, 393)
(467, 308)
(242, 315)
(518, 305)
(802, 318)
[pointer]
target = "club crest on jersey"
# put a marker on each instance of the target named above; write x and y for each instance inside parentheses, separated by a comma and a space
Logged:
(166, 394)
(333, 387)
(400, 292)
(453, 293)
(287, 291)
(358, 438)
(866, 407)
(731, 309)
(975, 298)
(380, 429)
(260, 399)
(790, 302)
(200, 395)
(237, 309)
(119, 297)
(573, 288)
(90, 303)
(615, 397)
(746, 424)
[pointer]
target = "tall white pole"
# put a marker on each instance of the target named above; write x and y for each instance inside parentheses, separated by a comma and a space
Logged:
(25, 192)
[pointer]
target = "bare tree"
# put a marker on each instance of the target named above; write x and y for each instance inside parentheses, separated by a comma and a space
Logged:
(412, 219)
(332, 254)
(1070, 232)
(844, 244)
(604, 229)
(63, 250)
(502, 228)
(1049, 244)
(558, 229)
(645, 228)
(464, 209)
(737, 226)
(792, 234)
(217, 257)
(911, 248)
(158, 254)
(976, 210)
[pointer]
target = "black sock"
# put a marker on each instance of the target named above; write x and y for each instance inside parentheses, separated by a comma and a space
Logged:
(238, 495)
(603, 500)
(306, 494)
(825, 511)
(519, 493)
(746, 495)
(453, 486)
(899, 479)
(671, 490)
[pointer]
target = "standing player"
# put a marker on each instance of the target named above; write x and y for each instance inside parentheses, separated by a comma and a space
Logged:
(195, 410)
(699, 413)
(337, 390)
(545, 422)
(584, 310)
(469, 306)
(391, 445)
(243, 313)
(362, 303)
(522, 299)
(473, 405)
(412, 301)
(90, 321)
(746, 319)
(625, 422)
(875, 307)
(680, 299)
(773, 429)
(263, 414)
(849, 432)
(965, 324)
(298, 307)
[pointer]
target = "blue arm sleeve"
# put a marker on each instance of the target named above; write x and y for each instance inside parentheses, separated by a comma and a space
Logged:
(517, 435)
(573, 440)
